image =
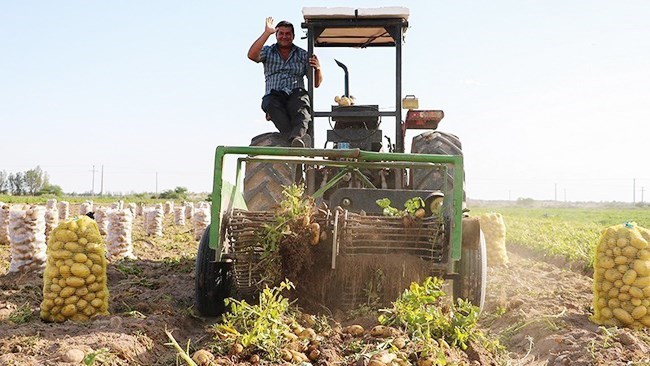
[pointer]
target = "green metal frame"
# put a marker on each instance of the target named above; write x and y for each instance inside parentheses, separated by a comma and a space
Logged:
(354, 159)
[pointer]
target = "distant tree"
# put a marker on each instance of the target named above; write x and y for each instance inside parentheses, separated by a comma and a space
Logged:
(51, 189)
(177, 193)
(4, 182)
(17, 184)
(35, 180)
(527, 202)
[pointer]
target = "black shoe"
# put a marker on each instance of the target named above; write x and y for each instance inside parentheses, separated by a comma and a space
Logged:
(297, 142)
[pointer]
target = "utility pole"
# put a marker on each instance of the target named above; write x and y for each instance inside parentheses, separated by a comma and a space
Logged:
(555, 191)
(156, 183)
(101, 189)
(634, 191)
(92, 190)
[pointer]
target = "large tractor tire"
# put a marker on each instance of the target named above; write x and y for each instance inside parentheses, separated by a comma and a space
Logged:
(435, 142)
(213, 280)
(263, 182)
(472, 267)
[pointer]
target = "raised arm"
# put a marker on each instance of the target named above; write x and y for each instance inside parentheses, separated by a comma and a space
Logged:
(256, 47)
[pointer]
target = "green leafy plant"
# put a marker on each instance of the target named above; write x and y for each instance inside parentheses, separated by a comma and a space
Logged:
(422, 313)
(21, 314)
(291, 225)
(411, 206)
(260, 326)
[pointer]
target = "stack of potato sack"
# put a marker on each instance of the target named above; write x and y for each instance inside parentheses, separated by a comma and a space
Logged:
(64, 210)
(51, 217)
(139, 209)
(622, 277)
(27, 236)
(179, 215)
(153, 221)
(169, 207)
(201, 221)
(189, 210)
(86, 207)
(4, 224)
(494, 229)
(117, 205)
(119, 238)
(74, 281)
(101, 218)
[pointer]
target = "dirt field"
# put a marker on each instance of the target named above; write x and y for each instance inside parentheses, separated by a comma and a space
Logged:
(537, 309)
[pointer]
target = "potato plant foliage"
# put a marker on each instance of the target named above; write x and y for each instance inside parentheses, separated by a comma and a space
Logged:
(422, 312)
(262, 326)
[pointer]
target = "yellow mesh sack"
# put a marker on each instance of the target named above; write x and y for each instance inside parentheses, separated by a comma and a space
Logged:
(621, 284)
(494, 230)
(74, 280)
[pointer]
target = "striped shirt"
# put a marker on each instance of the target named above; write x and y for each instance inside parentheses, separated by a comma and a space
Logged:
(284, 75)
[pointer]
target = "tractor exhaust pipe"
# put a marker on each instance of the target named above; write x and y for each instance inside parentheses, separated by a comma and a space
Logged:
(347, 78)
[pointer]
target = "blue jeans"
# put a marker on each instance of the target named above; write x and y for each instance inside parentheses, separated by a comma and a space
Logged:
(290, 113)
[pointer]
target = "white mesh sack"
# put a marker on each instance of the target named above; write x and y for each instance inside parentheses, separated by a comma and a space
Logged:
(179, 216)
(119, 239)
(64, 210)
(27, 237)
(201, 221)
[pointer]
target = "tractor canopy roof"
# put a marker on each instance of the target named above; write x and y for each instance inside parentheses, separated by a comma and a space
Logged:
(356, 27)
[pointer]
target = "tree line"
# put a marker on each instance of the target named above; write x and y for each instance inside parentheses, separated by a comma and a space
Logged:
(32, 182)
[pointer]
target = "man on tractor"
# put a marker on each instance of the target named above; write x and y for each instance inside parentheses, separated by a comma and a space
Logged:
(286, 101)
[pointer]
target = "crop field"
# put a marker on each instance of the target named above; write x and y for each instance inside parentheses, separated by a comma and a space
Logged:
(566, 233)
(538, 310)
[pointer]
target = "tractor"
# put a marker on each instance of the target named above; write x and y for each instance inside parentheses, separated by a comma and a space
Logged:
(347, 178)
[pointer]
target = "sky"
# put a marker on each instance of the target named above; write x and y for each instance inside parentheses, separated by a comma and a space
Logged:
(549, 98)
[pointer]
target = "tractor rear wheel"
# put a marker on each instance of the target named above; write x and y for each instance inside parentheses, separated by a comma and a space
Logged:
(213, 280)
(435, 142)
(472, 267)
(263, 182)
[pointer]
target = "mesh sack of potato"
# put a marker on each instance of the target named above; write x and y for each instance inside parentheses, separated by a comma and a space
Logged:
(101, 218)
(201, 221)
(51, 220)
(119, 239)
(621, 284)
(179, 215)
(74, 281)
(494, 229)
(169, 207)
(153, 221)
(86, 207)
(117, 205)
(64, 210)
(189, 210)
(27, 237)
(4, 223)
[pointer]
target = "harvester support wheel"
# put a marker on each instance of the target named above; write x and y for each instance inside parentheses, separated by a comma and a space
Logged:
(263, 182)
(435, 142)
(472, 267)
(213, 280)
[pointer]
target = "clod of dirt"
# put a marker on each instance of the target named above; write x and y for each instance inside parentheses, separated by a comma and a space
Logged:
(73, 355)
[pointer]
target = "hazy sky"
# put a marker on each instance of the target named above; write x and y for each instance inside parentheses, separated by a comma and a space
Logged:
(546, 96)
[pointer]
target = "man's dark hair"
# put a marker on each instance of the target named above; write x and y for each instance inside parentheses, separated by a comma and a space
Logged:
(284, 23)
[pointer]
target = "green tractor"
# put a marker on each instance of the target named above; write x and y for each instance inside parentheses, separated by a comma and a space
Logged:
(357, 241)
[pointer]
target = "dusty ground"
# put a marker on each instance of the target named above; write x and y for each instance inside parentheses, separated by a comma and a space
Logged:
(538, 310)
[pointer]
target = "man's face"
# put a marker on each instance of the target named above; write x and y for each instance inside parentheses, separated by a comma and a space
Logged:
(284, 36)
